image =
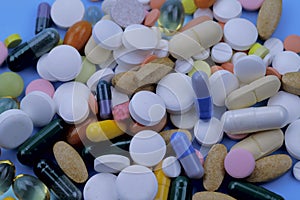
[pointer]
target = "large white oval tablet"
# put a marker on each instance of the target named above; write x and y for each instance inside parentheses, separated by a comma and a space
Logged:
(111, 163)
(185, 120)
(240, 33)
(147, 148)
(171, 167)
(42, 67)
(296, 170)
(101, 186)
(136, 183)
(104, 74)
(39, 106)
(15, 128)
(292, 139)
(226, 10)
(147, 108)
(286, 61)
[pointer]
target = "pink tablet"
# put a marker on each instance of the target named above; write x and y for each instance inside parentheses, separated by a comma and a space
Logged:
(251, 5)
(3, 52)
(40, 85)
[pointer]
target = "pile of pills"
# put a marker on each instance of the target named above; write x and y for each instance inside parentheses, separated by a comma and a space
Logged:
(134, 104)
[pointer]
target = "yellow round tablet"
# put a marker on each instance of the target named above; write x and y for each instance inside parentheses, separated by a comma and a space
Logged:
(13, 41)
(200, 65)
(189, 6)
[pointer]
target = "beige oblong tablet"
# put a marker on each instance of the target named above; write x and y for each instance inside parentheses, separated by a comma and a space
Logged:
(211, 196)
(95, 53)
(256, 91)
(261, 144)
(291, 82)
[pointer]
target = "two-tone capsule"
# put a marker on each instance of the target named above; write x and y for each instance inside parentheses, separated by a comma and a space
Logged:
(104, 99)
(43, 19)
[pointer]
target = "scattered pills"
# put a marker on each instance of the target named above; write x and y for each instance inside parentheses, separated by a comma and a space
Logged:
(274, 45)
(221, 53)
(226, 10)
(286, 61)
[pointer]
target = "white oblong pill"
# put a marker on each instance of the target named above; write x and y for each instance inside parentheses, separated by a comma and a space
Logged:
(292, 139)
(111, 163)
(296, 170)
(221, 52)
(171, 167)
(286, 61)
(226, 10)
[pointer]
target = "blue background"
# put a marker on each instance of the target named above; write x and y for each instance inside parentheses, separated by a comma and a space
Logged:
(19, 16)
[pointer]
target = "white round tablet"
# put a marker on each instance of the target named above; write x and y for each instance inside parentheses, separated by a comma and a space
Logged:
(65, 13)
(64, 62)
(108, 34)
(203, 12)
(177, 99)
(162, 49)
(40, 107)
(289, 101)
(274, 45)
(185, 120)
(104, 74)
(171, 167)
(136, 182)
(286, 61)
(42, 68)
(236, 56)
(147, 108)
(296, 170)
(209, 132)
(15, 128)
(101, 186)
(292, 139)
(147, 148)
(184, 66)
(240, 33)
(221, 53)
(226, 10)
(111, 163)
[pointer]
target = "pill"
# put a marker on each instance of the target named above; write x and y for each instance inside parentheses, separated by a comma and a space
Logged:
(111, 163)
(156, 3)
(296, 169)
(259, 50)
(87, 70)
(292, 139)
(274, 45)
(33, 148)
(270, 168)
(292, 43)
(194, 22)
(290, 82)
(42, 68)
(212, 195)
(12, 41)
(215, 68)
(104, 99)
(181, 189)
(268, 18)
(166, 134)
(200, 12)
(149, 59)
(43, 20)
(248, 191)
(185, 153)
(8, 171)
(237, 136)
(286, 61)
(140, 180)
(254, 119)
(66, 13)
(236, 56)
(251, 5)
(184, 66)
(273, 71)
(40, 85)
(107, 5)
(263, 143)
(171, 167)
(93, 14)
(189, 6)
(185, 120)
(221, 53)
(228, 66)
(3, 52)
(163, 184)
(7, 104)
(240, 33)
(59, 184)
(27, 187)
(252, 93)
(200, 65)
(105, 74)
(25, 54)
(214, 167)
(204, 3)
(226, 10)
(152, 17)
(39, 106)
(11, 84)
(103, 130)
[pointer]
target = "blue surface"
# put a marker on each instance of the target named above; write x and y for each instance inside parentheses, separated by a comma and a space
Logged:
(19, 17)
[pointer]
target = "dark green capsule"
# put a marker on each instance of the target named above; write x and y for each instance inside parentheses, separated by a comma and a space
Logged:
(7, 104)
(33, 148)
(7, 174)
(58, 183)
(248, 191)
(180, 189)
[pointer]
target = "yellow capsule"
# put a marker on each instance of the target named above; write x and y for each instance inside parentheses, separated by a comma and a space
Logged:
(189, 6)
(103, 130)
(9, 198)
(259, 50)
(163, 184)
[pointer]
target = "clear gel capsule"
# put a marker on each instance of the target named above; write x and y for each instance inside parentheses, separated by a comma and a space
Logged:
(186, 155)
(104, 99)
(27, 53)
(180, 189)
(7, 104)
(60, 185)
(43, 20)
(7, 174)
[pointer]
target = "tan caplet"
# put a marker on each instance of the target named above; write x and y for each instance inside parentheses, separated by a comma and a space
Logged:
(291, 82)
(211, 196)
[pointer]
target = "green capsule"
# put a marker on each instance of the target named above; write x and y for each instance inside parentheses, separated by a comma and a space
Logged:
(7, 174)
(171, 17)
(180, 189)
(32, 149)
(28, 187)
(248, 191)
(7, 104)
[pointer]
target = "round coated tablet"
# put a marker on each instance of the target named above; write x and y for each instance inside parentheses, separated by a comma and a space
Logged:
(108, 34)
(292, 139)
(15, 128)
(209, 132)
(3, 52)
(185, 120)
(226, 10)
(236, 56)
(147, 148)
(42, 68)
(249, 68)
(39, 106)
(65, 13)
(184, 66)
(136, 182)
(104, 74)
(296, 170)
(286, 61)
(11, 84)
(40, 85)
(101, 186)
(274, 45)
(240, 34)
(147, 108)
(221, 53)
(292, 43)
(111, 163)
(171, 167)
(251, 5)
(64, 62)
(239, 163)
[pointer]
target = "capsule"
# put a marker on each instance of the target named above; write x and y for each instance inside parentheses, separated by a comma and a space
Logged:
(163, 185)
(248, 191)
(33, 148)
(27, 53)
(43, 20)
(60, 185)
(7, 174)
(7, 104)
(180, 189)
(186, 154)
(104, 99)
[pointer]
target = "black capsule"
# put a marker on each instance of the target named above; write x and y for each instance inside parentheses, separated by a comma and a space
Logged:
(7, 174)
(104, 99)
(43, 19)
(180, 189)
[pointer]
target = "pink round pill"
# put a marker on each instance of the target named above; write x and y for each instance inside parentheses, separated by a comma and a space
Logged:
(3, 52)
(40, 85)
(239, 163)
(236, 136)
(251, 5)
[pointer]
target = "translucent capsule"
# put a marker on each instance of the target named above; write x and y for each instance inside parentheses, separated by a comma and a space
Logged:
(60, 185)
(43, 20)
(93, 14)
(171, 17)
(7, 103)
(7, 174)
(27, 187)
(25, 54)
(181, 189)
(104, 99)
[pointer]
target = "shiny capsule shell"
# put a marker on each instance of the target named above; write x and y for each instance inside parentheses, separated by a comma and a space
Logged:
(211, 195)
(181, 189)
(27, 187)
(7, 174)
(163, 184)
(7, 104)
